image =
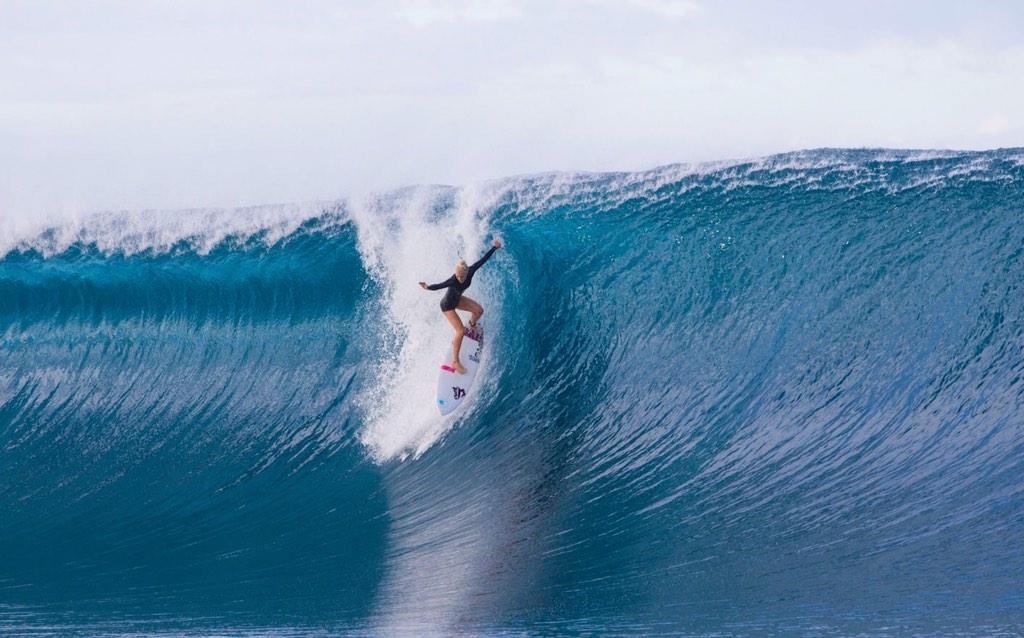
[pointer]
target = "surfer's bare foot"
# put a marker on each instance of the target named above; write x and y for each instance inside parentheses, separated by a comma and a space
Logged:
(461, 369)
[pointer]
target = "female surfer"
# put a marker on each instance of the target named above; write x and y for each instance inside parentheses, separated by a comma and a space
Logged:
(454, 300)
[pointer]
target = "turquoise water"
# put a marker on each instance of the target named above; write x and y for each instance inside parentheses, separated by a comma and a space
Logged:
(777, 397)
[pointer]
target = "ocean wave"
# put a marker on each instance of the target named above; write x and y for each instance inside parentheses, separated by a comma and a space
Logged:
(761, 395)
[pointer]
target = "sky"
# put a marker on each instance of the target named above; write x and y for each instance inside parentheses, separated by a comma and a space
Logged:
(189, 103)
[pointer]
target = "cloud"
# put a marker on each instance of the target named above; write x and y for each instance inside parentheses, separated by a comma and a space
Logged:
(672, 9)
(424, 13)
(668, 8)
(994, 125)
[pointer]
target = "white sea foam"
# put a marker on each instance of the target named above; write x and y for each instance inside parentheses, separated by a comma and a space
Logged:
(404, 238)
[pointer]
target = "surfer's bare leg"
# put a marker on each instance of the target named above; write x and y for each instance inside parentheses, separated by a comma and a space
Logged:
(460, 330)
(471, 306)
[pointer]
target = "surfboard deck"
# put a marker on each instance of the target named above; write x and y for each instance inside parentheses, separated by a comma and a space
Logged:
(453, 389)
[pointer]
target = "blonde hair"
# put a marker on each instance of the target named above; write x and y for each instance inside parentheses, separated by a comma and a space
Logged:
(461, 262)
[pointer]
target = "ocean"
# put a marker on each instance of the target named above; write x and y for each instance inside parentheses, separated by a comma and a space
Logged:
(781, 396)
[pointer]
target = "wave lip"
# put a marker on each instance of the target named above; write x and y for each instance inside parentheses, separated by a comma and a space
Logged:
(202, 230)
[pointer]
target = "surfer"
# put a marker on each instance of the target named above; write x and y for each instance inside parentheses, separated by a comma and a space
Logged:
(454, 300)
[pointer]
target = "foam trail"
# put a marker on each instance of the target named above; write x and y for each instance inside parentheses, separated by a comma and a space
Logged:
(408, 237)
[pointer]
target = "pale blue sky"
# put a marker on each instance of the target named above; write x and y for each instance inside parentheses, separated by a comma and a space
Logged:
(190, 103)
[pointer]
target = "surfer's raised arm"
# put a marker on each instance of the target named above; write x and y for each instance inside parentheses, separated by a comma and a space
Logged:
(480, 262)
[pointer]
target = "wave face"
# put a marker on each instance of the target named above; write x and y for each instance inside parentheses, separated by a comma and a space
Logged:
(783, 396)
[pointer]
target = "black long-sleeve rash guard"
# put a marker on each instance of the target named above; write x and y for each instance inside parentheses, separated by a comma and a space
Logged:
(456, 287)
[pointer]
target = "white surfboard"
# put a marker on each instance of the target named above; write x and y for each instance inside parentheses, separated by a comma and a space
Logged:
(453, 388)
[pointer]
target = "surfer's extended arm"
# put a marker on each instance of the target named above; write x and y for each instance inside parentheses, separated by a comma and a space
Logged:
(444, 284)
(487, 255)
